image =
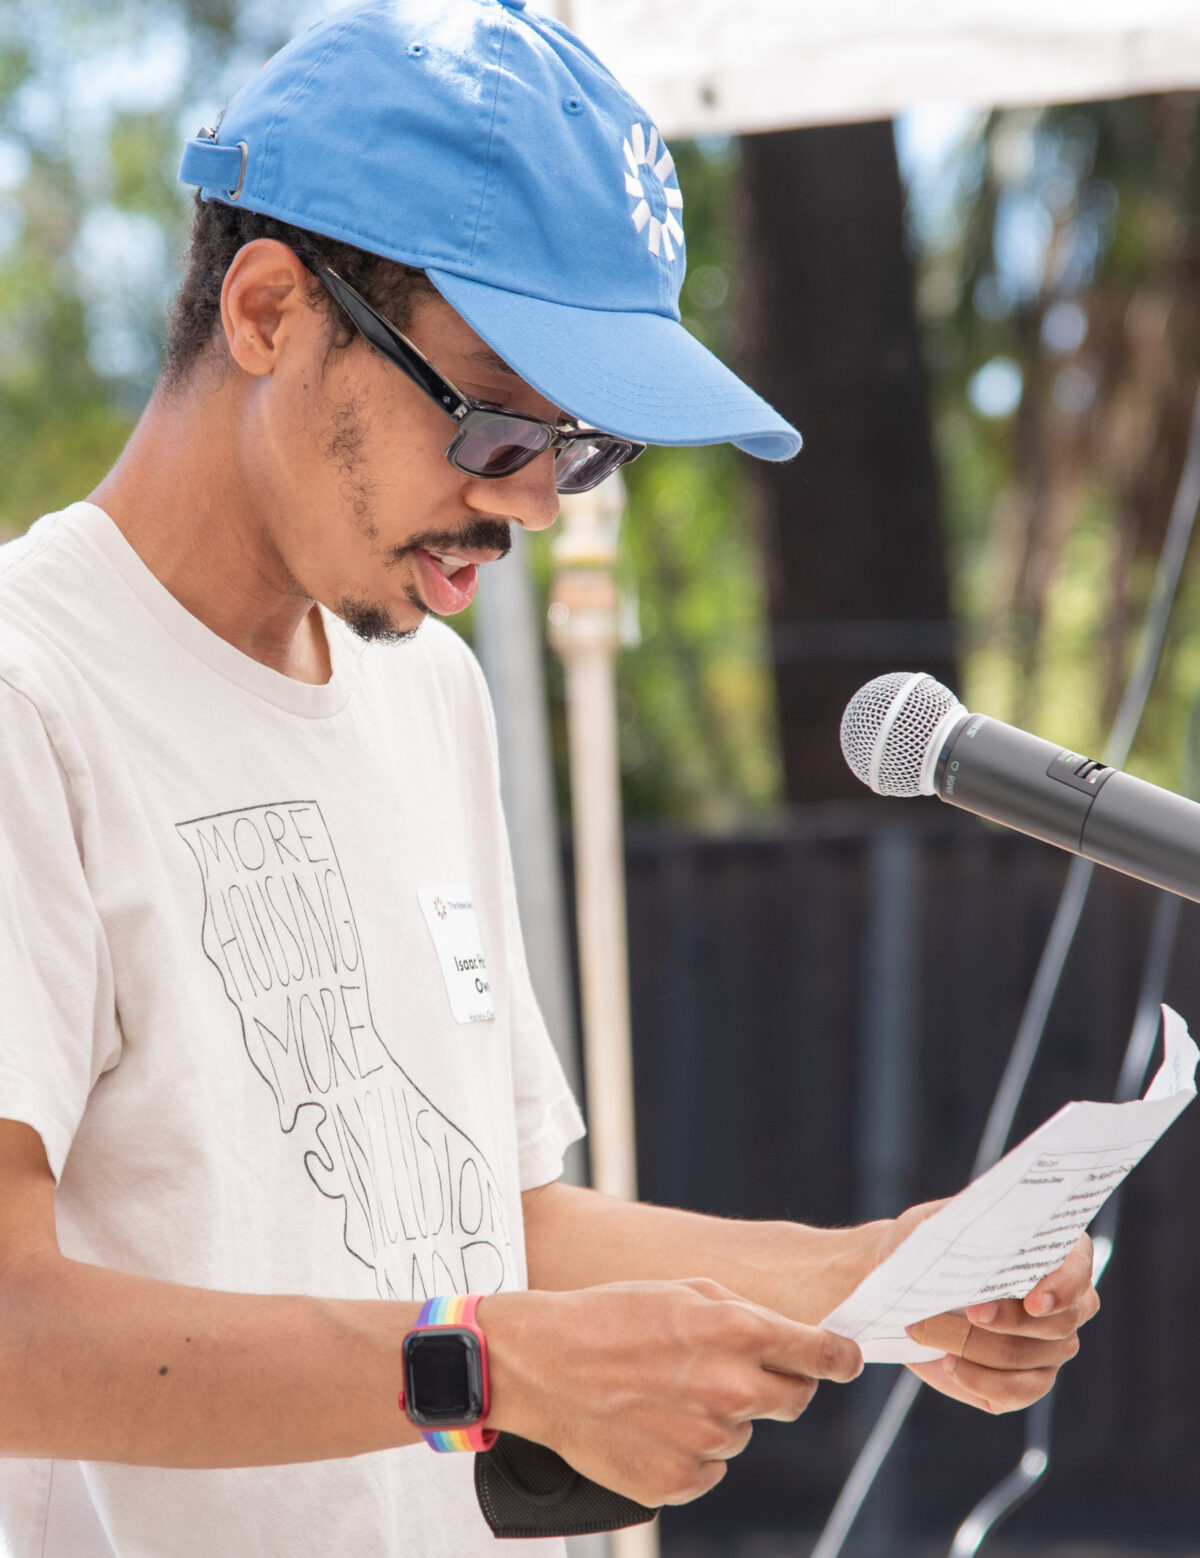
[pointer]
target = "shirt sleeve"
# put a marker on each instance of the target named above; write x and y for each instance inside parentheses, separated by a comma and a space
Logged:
(55, 973)
(548, 1118)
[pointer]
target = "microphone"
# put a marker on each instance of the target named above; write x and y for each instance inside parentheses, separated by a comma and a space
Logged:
(905, 734)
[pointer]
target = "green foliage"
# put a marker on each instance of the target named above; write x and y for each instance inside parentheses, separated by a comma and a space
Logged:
(60, 427)
(15, 68)
(697, 717)
(143, 156)
(696, 714)
(1066, 259)
(54, 455)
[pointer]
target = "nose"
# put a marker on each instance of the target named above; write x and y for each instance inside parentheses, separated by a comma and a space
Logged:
(528, 497)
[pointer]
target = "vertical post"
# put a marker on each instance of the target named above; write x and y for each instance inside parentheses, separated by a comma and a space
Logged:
(885, 1136)
(584, 629)
(508, 639)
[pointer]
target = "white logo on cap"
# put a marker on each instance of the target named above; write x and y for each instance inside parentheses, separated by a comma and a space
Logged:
(661, 236)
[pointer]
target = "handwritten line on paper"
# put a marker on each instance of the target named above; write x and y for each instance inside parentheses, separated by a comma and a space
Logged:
(1017, 1222)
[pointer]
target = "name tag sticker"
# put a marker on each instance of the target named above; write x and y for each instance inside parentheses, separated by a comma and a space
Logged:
(450, 914)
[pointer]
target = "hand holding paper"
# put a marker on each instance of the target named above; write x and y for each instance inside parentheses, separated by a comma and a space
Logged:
(1017, 1222)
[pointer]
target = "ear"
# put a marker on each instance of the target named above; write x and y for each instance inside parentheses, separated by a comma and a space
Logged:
(264, 304)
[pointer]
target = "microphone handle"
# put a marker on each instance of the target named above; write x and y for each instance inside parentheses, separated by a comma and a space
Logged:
(1146, 832)
(1008, 776)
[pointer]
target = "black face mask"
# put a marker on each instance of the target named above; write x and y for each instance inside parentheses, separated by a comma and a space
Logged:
(526, 1490)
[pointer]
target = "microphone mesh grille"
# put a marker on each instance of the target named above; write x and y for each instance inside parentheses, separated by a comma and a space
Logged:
(904, 731)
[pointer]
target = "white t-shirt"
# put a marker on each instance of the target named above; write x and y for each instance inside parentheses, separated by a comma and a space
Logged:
(266, 1003)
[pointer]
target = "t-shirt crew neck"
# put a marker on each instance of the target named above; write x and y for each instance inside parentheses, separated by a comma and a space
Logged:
(310, 700)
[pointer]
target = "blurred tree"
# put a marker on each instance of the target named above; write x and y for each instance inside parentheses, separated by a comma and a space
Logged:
(698, 729)
(54, 416)
(95, 103)
(850, 531)
(1060, 296)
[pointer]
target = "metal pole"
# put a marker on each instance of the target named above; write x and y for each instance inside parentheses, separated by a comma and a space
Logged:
(885, 1138)
(584, 629)
(508, 639)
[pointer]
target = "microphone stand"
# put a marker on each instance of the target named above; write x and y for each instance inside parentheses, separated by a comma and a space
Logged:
(1035, 1460)
(1020, 1483)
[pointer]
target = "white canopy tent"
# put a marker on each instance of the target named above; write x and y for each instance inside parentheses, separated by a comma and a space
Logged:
(705, 67)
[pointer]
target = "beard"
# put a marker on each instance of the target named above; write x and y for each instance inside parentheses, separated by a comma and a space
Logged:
(369, 620)
(373, 624)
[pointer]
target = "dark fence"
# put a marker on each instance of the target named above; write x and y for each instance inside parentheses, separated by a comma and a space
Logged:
(821, 1015)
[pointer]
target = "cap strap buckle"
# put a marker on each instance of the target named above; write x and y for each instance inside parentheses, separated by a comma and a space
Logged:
(214, 167)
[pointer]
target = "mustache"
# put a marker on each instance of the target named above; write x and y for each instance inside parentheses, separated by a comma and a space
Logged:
(483, 535)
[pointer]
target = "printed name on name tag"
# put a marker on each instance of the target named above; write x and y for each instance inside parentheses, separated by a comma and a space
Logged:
(450, 914)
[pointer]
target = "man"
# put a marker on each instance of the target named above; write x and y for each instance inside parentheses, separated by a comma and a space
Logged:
(274, 1091)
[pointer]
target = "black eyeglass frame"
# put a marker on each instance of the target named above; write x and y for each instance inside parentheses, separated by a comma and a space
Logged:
(468, 414)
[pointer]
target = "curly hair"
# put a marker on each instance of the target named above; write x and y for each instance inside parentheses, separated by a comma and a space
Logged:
(220, 230)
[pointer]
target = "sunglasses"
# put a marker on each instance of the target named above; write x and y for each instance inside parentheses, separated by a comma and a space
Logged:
(486, 442)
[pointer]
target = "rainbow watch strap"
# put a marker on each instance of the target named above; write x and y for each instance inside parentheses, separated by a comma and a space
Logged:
(459, 1309)
(449, 1311)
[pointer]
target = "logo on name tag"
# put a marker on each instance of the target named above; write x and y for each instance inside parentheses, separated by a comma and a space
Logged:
(450, 915)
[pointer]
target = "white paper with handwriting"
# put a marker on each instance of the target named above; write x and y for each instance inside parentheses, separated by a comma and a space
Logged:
(1014, 1224)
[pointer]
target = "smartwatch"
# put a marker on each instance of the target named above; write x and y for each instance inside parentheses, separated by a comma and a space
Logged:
(445, 1391)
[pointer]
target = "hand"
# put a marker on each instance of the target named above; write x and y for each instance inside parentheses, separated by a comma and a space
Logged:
(1003, 1356)
(649, 1388)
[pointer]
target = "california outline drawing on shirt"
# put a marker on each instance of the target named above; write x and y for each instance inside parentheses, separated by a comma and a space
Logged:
(422, 1207)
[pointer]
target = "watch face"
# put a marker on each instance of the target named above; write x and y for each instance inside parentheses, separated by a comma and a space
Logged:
(443, 1378)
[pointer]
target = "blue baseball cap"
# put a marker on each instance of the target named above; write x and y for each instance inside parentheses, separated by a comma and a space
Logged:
(487, 146)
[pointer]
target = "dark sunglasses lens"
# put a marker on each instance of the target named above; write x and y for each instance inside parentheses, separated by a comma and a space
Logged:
(499, 445)
(585, 462)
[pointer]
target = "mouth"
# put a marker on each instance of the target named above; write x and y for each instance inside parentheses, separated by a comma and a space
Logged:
(449, 579)
(451, 562)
